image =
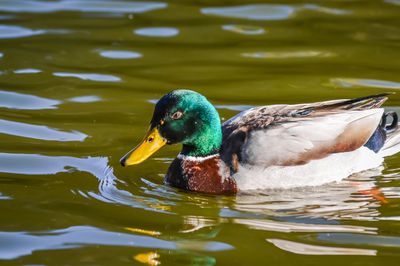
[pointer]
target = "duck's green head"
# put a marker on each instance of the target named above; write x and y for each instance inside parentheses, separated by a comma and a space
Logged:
(181, 116)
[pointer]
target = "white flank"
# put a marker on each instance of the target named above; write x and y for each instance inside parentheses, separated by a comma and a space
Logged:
(332, 168)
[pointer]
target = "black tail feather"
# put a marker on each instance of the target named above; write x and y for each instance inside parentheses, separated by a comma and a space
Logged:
(366, 102)
(377, 140)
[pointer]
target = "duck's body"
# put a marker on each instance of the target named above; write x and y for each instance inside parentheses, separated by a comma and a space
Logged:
(276, 146)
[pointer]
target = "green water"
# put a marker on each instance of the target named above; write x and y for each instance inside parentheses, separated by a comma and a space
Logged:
(78, 82)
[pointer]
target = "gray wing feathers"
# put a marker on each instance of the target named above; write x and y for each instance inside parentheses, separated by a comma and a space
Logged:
(298, 142)
(295, 134)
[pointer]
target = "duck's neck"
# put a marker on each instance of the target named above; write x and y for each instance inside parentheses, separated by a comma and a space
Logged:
(207, 140)
(203, 150)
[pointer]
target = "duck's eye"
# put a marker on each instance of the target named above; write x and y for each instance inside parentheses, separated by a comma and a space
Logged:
(177, 115)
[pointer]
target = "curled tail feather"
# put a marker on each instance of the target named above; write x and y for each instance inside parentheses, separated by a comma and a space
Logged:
(392, 144)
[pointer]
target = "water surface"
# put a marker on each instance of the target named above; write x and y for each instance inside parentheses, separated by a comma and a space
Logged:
(78, 83)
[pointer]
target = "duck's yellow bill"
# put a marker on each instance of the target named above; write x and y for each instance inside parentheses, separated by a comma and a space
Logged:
(151, 143)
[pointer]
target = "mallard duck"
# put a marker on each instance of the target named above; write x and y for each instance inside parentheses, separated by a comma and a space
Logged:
(275, 146)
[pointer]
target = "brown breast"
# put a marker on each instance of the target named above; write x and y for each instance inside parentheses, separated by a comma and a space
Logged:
(209, 176)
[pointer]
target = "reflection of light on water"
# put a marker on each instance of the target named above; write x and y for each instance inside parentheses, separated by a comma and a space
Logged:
(204, 245)
(39, 131)
(346, 238)
(352, 82)
(24, 243)
(296, 54)
(15, 100)
(243, 29)
(157, 32)
(391, 192)
(305, 249)
(288, 227)
(92, 77)
(268, 11)
(395, 2)
(321, 9)
(229, 107)
(109, 192)
(81, 5)
(234, 107)
(36, 164)
(194, 223)
(27, 71)
(391, 218)
(253, 12)
(6, 17)
(120, 54)
(9, 31)
(163, 191)
(85, 99)
(2, 197)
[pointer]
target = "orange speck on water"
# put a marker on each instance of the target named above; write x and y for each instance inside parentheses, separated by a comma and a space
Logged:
(375, 193)
(143, 231)
(148, 258)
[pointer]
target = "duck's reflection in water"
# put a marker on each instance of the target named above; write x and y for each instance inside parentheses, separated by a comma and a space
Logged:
(355, 198)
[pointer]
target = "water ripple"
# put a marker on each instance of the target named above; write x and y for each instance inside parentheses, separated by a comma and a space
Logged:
(120, 54)
(157, 32)
(305, 249)
(9, 32)
(252, 12)
(345, 238)
(244, 29)
(326, 10)
(107, 6)
(352, 82)
(284, 55)
(342, 200)
(395, 2)
(2, 197)
(14, 100)
(7, 17)
(36, 164)
(234, 107)
(39, 132)
(278, 226)
(229, 107)
(108, 192)
(268, 11)
(89, 76)
(27, 71)
(25, 243)
(85, 99)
